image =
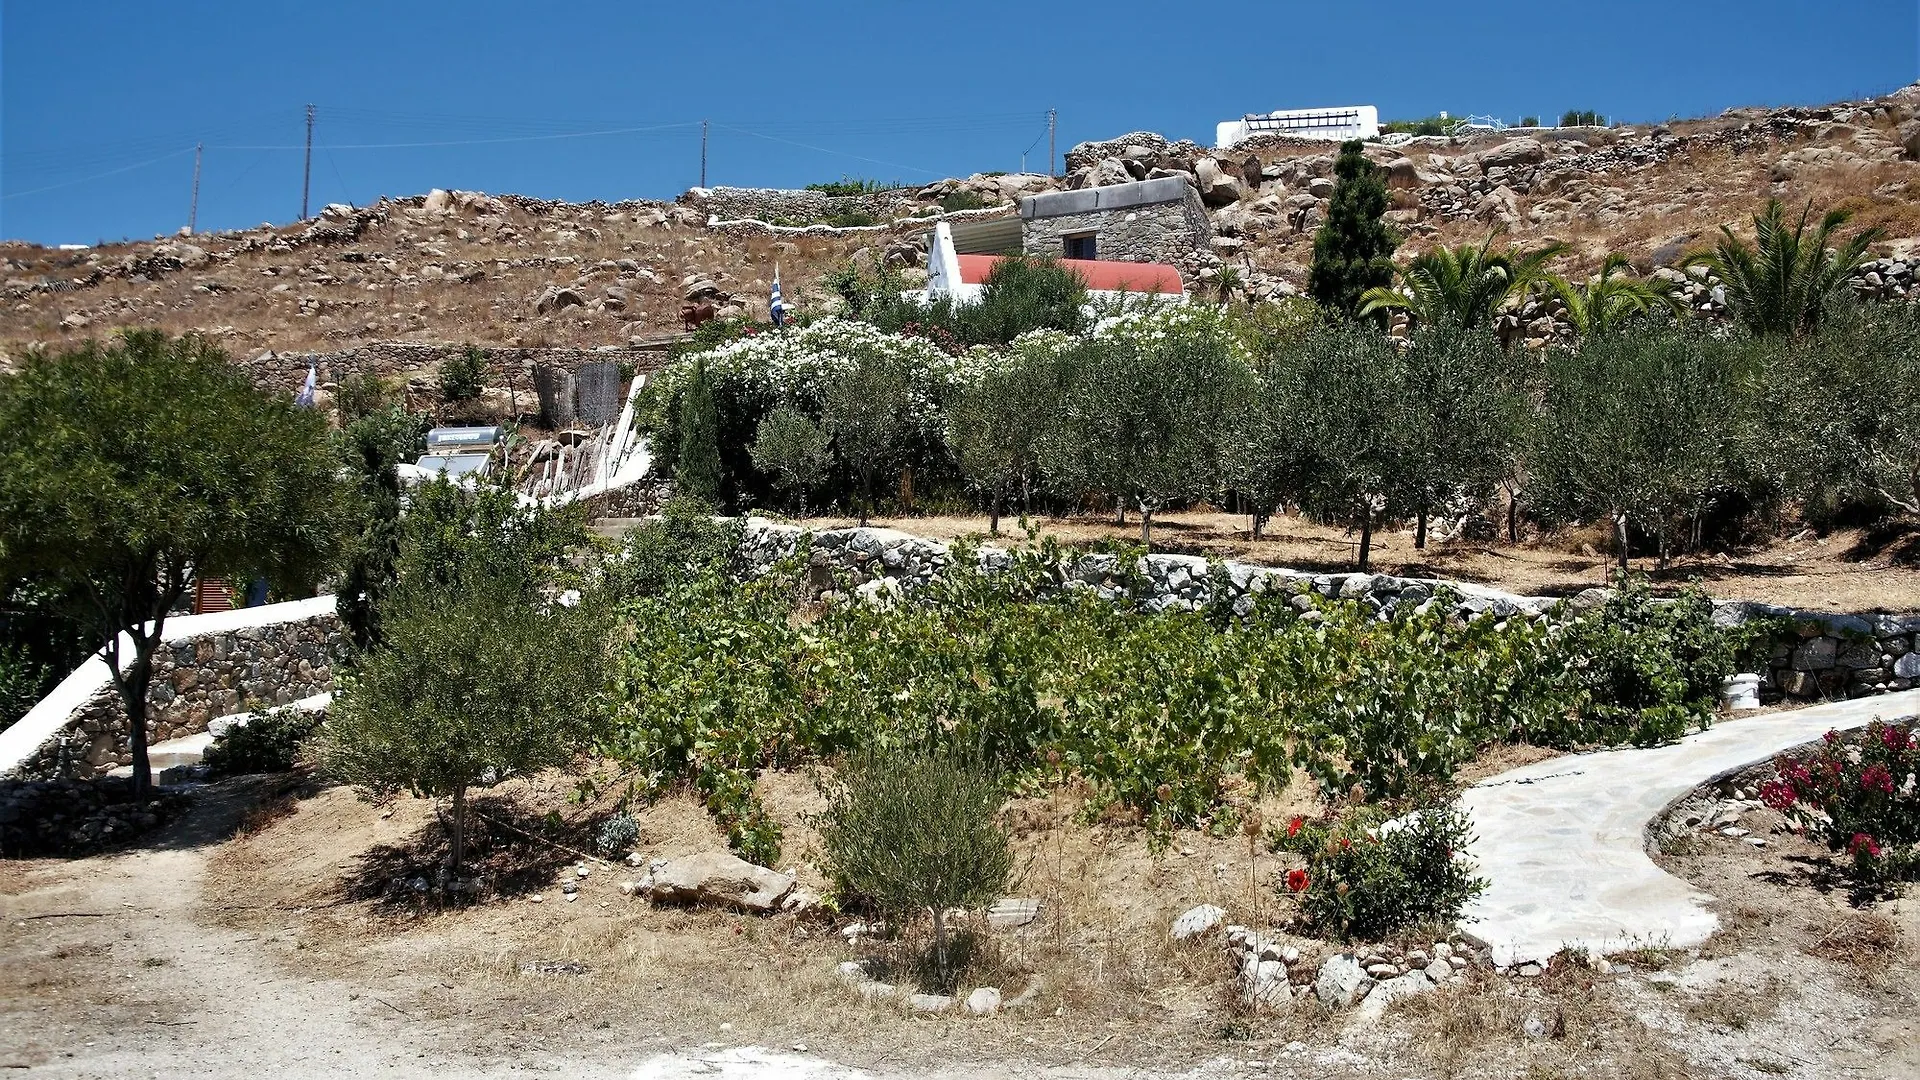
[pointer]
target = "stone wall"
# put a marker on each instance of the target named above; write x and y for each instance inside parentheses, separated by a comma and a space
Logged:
(1172, 231)
(1819, 655)
(396, 359)
(785, 206)
(196, 679)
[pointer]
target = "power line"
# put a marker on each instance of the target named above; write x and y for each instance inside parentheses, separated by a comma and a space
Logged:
(99, 176)
(825, 150)
(472, 142)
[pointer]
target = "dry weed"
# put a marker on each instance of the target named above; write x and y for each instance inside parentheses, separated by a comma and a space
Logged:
(1865, 941)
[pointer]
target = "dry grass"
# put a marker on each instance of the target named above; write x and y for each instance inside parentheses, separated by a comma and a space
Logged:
(1866, 942)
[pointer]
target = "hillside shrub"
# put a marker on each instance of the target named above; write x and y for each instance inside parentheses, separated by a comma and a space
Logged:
(1580, 118)
(1368, 876)
(1856, 792)
(269, 741)
(915, 830)
(23, 681)
(462, 377)
(854, 185)
(956, 201)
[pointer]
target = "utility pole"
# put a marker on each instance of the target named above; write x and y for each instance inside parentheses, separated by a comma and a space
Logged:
(306, 174)
(1052, 116)
(703, 153)
(193, 211)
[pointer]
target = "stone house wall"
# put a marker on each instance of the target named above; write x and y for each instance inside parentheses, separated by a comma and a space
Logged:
(1168, 224)
(195, 680)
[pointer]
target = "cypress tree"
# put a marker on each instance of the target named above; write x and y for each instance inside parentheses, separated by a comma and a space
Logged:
(1353, 249)
(697, 472)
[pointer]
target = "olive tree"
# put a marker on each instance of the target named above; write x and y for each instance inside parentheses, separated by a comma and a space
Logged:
(914, 831)
(1151, 405)
(481, 672)
(998, 423)
(1639, 424)
(1461, 411)
(131, 466)
(794, 450)
(868, 409)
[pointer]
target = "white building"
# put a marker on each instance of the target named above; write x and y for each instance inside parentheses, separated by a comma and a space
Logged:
(1336, 124)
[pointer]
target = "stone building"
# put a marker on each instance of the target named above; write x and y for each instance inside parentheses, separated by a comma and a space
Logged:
(1159, 221)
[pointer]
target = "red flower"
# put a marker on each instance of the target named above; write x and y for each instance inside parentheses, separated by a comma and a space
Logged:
(1894, 738)
(1294, 827)
(1832, 737)
(1863, 842)
(1345, 844)
(1296, 881)
(1877, 778)
(1778, 794)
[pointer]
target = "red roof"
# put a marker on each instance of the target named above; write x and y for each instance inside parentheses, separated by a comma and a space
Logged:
(1101, 275)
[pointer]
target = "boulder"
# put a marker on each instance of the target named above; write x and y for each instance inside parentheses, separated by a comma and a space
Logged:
(437, 202)
(1217, 186)
(1342, 981)
(555, 298)
(1320, 187)
(1523, 151)
(984, 1002)
(719, 877)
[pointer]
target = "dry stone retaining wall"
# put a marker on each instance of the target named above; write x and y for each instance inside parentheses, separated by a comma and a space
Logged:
(1817, 655)
(784, 205)
(195, 680)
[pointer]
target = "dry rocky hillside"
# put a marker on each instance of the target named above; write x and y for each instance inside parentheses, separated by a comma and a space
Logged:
(504, 270)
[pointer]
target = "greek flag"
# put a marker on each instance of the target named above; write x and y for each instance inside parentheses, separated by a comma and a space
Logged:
(777, 307)
(304, 398)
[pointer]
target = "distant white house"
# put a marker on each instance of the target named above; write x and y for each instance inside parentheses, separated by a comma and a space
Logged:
(1337, 124)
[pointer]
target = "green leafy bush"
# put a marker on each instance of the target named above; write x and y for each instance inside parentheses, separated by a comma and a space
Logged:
(963, 200)
(1856, 792)
(685, 542)
(268, 742)
(463, 377)
(1367, 876)
(1643, 670)
(1580, 118)
(915, 830)
(854, 185)
(22, 683)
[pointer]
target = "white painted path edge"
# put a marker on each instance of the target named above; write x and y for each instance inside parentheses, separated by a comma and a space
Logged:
(1562, 843)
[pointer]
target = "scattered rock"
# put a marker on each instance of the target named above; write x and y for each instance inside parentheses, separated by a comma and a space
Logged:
(1197, 921)
(929, 1003)
(1342, 981)
(1012, 912)
(984, 1002)
(719, 877)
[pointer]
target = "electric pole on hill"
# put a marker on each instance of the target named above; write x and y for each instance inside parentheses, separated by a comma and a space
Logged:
(1052, 115)
(306, 173)
(703, 153)
(193, 210)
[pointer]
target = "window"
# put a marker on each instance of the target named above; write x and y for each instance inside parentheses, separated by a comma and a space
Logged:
(1081, 247)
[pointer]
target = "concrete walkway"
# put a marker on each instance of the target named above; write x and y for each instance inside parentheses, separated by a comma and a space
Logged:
(1563, 842)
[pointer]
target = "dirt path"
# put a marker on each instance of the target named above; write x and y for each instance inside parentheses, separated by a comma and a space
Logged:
(117, 967)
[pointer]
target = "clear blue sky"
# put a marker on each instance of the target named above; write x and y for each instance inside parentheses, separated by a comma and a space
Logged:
(102, 101)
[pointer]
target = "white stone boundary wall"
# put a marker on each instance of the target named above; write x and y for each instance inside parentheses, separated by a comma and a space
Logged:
(1823, 655)
(207, 666)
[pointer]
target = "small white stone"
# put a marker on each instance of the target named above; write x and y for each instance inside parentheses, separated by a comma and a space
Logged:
(1535, 1028)
(582, 871)
(1443, 950)
(1197, 921)
(984, 1001)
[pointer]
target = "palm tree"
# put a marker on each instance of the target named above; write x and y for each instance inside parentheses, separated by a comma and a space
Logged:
(1782, 282)
(1607, 299)
(1466, 285)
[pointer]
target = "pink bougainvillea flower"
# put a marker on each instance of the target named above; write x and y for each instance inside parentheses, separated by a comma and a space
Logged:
(1863, 842)
(1877, 778)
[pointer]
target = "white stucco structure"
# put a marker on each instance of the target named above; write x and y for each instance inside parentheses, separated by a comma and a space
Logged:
(1335, 123)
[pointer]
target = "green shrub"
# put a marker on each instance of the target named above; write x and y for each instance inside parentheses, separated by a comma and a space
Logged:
(268, 742)
(1580, 118)
(1529, 121)
(22, 683)
(915, 829)
(617, 835)
(685, 542)
(1855, 792)
(1367, 876)
(362, 395)
(851, 219)
(954, 202)
(854, 185)
(463, 377)
(1426, 125)
(1643, 670)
